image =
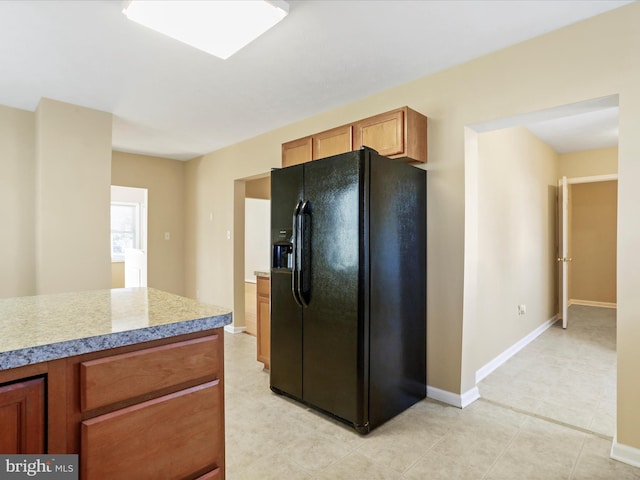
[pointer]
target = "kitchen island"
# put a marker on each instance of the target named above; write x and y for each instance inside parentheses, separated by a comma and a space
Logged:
(129, 379)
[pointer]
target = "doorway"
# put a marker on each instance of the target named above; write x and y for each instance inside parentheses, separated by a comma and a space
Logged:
(252, 231)
(129, 208)
(587, 251)
(507, 311)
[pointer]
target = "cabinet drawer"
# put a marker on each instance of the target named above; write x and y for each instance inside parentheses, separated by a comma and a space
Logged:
(170, 437)
(120, 377)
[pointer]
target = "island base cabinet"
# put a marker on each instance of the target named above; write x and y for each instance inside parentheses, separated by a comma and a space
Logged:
(175, 436)
(22, 417)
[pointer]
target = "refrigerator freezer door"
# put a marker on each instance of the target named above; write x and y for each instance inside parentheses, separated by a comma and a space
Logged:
(286, 315)
(333, 339)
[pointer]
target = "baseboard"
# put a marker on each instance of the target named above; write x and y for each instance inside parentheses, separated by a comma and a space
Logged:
(625, 453)
(456, 399)
(490, 367)
(234, 330)
(589, 303)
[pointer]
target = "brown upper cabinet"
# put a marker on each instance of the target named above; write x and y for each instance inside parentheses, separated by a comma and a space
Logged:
(297, 151)
(332, 142)
(400, 133)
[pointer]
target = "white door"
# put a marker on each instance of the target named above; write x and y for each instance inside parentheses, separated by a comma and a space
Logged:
(135, 268)
(563, 249)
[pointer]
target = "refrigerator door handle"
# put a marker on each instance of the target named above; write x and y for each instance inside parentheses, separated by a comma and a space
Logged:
(304, 281)
(295, 278)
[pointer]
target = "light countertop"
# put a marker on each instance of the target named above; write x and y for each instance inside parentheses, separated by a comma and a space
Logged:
(261, 274)
(48, 327)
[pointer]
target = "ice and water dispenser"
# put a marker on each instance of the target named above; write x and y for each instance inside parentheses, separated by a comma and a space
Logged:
(282, 250)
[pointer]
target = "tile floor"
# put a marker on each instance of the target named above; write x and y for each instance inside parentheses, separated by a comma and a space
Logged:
(270, 437)
(566, 375)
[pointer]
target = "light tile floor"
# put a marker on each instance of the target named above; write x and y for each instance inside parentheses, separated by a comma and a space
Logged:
(566, 375)
(271, 437)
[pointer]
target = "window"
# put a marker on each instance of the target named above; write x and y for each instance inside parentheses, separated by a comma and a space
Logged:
(125, 228)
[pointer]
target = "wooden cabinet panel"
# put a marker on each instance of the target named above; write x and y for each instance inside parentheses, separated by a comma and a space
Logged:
(384, 133)
(217, 473)
(297, 151)
(120, 377)
(264, 320)
(22, 417)
(170, 437)
(400, 133)
(332, 142)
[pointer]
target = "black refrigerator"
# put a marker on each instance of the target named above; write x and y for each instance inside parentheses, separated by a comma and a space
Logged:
(348, 286)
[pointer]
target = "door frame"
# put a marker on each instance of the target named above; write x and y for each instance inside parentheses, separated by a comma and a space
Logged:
(564, 257)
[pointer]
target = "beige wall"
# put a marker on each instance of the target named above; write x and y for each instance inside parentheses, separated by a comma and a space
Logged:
(17, 204)
(593, 242)
(587, 163)
(55, 199)
(258, 188)
(517, 178)
(73, 173)
(72, 198)
(165, 181)
(551, 70)
(117, 275)
(55, 187)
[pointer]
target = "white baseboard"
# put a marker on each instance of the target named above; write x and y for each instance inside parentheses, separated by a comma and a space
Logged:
(625, 453)
(456, 399)
(234, 330)
(487, 369)
(589, 303)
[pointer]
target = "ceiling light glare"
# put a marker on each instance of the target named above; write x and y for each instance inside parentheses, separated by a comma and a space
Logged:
(218, 27)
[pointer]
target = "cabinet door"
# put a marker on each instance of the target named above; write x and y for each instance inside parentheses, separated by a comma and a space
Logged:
(384, 133)
(296, 152)
(332, 142)
(174, 436)
(263, 321)
(22, 417)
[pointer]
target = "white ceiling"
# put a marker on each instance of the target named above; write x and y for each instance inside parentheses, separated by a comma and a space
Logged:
(170, 100)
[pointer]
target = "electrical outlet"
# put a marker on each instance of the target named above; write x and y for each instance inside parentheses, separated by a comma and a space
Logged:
(522, 309)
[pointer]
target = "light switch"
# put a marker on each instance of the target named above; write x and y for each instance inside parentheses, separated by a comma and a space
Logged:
(167, 235)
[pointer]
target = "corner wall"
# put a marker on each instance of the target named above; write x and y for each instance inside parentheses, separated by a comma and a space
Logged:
(17, 202)
(73, 188)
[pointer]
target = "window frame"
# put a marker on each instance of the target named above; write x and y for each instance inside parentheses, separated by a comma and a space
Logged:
(137, 229)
